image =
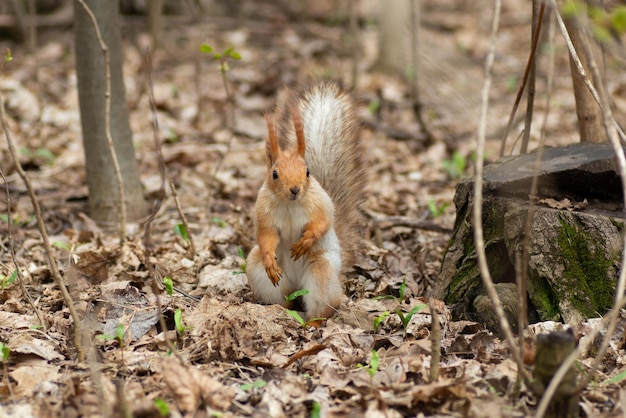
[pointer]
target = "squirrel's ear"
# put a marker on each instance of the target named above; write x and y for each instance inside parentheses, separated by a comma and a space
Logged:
(299, 127)
(271, 143)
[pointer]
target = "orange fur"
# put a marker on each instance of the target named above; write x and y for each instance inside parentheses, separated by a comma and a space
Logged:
(307, 210)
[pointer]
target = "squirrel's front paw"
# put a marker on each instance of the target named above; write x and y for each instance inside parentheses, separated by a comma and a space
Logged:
(301, 247)
(273, 271)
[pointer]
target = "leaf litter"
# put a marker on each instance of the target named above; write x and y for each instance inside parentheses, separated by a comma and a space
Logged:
(233, 356)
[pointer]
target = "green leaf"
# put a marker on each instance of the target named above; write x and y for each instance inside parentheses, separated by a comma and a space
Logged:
(413, 311)
(379, 320)
(373, 364)
(119, 333)
(241, 253)
(618, 19)
(162, 406)
(178, 321)
(181, 231)
(220, 222)
(169, 285)
(402, 289)
(206, 48)
(228, 51)
(224, 67)
(5, 352)
(7, 56)
(296, 294)
(106, 337)
(217, 56)
(257, 384)
(63, 245)
(316, 410)
(6, 281)
(373, 106)
(295, 315)
(616, 379)
(235, 56)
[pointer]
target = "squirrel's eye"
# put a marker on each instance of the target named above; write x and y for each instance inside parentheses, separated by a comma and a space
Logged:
(275, 175)
(307, 172)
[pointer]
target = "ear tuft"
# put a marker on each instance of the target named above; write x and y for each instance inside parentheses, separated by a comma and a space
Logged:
(298, 125)
(271, 142)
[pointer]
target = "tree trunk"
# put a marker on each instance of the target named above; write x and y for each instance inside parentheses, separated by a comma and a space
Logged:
(394, 25)
(104, 205)
(590, 123)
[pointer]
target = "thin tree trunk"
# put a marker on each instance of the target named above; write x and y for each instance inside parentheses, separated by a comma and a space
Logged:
(101, 179)
(590, 123)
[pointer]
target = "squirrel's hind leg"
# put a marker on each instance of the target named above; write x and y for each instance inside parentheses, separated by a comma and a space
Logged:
(322, 279)
(260, 283)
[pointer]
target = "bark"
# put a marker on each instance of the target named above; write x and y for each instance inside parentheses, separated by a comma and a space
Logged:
(590, 123)
(103, 189)
(394, 26)
(574, 242)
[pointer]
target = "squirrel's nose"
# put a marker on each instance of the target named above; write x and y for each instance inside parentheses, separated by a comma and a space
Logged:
(294, 191)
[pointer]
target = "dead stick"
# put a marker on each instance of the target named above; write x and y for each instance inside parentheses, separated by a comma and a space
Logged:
(147, 245)
(520, 92)
(20, 278)
(479, 240)
(52, 264)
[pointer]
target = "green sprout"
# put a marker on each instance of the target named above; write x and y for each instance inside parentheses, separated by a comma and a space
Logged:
(257, 384)
(169, 285)
(6, 281)
(181, 231)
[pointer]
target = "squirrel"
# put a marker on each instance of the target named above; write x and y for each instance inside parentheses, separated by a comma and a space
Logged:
(307, 210)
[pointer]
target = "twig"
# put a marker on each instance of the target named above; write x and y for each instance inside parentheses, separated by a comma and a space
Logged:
(478, 198)
(435, 341)
(52, 264)
(191, 249)
(523, 268)
(529, 64)
(156, 276)
(405, 221)
(538, 11)
(107, 122)
(612, 129)
(20, 278)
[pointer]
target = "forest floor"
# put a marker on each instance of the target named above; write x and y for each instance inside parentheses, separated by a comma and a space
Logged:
(234, 357)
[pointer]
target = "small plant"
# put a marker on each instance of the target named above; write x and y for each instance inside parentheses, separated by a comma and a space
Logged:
(295, 315)
(615, 379)
(219, 222)
(374, 361)
(7, 281)
(178, 322)
(181, 231)
(221, 57)
(455, 167)
(243, 265)
(406, 317)
(162, 407)
(316, 410)
(379, 320)
(5, 352)
(374, 106)
(169, 285)
(437, 210)
(257, 384)
(372, 369)
(119, 335)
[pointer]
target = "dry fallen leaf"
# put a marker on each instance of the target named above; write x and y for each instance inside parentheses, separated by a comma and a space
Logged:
(192, 388)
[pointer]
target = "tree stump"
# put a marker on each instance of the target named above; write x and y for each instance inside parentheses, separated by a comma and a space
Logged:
(575, 241)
